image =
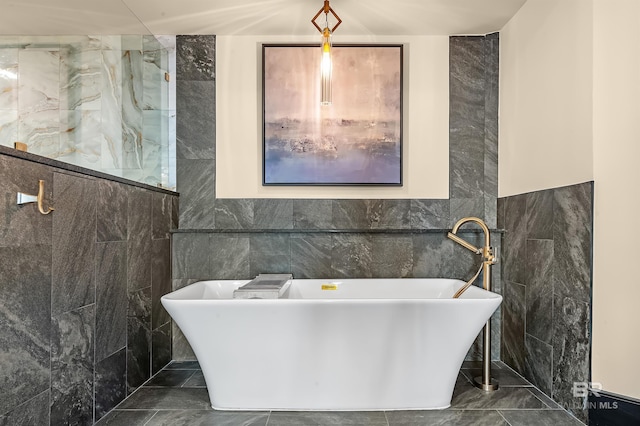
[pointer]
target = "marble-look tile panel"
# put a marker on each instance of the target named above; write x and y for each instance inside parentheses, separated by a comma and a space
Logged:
(272, 213)
(513, 326)
(8, 127)
(192, 256)
(80, 76)
(182, 282)
(110, 382)
(9, 79)
(371, 418)
(155, 131)
(269, 254)
(490, 212)
(112, 210)
(232, 213)
(391, 256)
(446, 418)
(26, 321)
(539, 310)
(131, 42)
(155, 87)
(160, 280)
(466, 207)
(181, 349)
(111, 108)
(139, 239)
(196, 184)
(351, 214)
(572, 235)
(390, 214)
(131, 62)
(351, 256)
(311, 256)
(230, 257)
(514, 248)
(160, 347)
(161, 205)
(40, 130)
(312, 214)
(538, 363)
(501, 213)
(175, 212)
(111, 298)
(491, 106)
(571, 351)
(32, 412)
(196, 129)
(73, 245)
(540, 214)
(466, 117)
(195, 57)
(39, 94)
(138, 338)
(432, 256)
(426, 214)
(209, 417)
(23, 225)
(168, 399)
(72, 365)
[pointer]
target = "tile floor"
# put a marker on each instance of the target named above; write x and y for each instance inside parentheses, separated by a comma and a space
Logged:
(177, 395)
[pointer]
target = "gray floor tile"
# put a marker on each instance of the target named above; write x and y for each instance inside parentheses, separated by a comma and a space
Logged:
(504, 376)
(168, 378)
(327, 418)
(183, 365)
(544, 398)
(196, 381)
(540, 418)
(168, 399)
(207, 417)
(126, 418)
(470, 397)
(446, 418)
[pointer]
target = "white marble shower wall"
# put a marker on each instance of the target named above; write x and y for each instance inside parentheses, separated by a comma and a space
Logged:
(100, 102)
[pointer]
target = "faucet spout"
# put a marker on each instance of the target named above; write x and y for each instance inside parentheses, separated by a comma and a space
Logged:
(464, 243)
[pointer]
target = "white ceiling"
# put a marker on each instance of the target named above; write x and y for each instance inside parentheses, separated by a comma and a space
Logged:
(252, 17)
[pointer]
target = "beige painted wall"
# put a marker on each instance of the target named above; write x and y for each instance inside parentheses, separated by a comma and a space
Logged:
(426, 120)
(616, 152)
(570, 84)
(545, 97)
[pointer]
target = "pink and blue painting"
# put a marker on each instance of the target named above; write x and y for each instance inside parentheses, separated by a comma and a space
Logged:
(357, 140)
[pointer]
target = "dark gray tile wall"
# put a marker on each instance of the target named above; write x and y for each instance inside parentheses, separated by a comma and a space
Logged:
(69, 335)
(547, 275)
(230, 254)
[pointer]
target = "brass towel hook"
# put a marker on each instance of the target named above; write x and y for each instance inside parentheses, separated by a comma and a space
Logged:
(26, 199)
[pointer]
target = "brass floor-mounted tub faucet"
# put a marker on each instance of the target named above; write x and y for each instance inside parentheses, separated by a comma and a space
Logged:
(484, 382)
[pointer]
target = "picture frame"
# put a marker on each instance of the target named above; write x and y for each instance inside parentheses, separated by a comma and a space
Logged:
(355, 141)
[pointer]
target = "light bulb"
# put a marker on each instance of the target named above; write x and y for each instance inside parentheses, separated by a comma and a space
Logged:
(325, 68)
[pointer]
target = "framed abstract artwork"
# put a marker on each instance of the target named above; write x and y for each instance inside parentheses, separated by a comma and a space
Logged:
(357, 140)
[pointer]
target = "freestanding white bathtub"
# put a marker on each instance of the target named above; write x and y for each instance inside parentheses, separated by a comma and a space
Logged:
(363, 344)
